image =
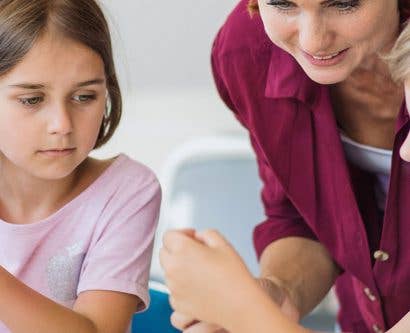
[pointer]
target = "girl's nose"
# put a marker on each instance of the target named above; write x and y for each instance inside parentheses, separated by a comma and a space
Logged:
(60, 121)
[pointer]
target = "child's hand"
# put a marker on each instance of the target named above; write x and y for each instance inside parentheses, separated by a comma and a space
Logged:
(207, 278)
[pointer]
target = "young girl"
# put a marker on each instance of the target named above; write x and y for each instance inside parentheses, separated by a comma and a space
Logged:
(209, 281)
(76, 233)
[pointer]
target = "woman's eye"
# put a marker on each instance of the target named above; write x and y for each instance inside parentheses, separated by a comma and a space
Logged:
(281, 5)
(83, 98)
(346, 6)
(31, 101)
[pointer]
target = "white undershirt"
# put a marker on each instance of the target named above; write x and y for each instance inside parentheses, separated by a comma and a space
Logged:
(371, 159)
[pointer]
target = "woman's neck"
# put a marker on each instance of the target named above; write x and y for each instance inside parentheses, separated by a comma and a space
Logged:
(367, 103)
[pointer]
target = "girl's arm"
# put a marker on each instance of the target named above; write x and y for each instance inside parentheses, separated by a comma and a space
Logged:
(209, 281)
(24, 310)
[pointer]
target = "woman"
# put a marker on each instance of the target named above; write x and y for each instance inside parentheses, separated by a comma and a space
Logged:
(305, 77)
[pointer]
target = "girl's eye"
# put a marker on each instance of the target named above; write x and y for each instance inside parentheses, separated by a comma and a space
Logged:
(31, 101)
(281, 5)
(84, 98)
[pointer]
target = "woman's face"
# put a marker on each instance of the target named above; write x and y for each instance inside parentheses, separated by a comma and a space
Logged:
(405, 148)
(331, 38)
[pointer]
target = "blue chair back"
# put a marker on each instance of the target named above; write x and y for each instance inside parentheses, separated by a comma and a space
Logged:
(156, 319)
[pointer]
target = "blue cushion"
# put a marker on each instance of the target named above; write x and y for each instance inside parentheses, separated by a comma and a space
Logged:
(157, 318)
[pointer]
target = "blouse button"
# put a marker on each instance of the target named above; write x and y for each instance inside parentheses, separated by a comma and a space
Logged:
(369, 294)
(380, 255)
(376, 329)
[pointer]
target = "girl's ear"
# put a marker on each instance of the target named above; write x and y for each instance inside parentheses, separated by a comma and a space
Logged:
(107, 104)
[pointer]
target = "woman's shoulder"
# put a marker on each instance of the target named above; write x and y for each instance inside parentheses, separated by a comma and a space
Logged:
(242, 49)
(243, 34)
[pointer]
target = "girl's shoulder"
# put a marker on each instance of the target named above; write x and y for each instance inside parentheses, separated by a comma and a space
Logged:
(120, 176)
(122, 169)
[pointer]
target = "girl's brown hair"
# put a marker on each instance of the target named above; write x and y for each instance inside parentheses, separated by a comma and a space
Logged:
(22, 22)
(404, 6)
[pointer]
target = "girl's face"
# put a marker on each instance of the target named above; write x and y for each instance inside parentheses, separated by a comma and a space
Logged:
(405, 148)
(51, 107)
(331, 38)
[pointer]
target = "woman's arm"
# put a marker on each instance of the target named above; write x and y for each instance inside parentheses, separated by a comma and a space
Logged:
(303, 268)
(23, 310)
(261, 315)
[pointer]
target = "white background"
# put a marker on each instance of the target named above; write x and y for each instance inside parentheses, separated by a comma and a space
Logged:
(162, 51)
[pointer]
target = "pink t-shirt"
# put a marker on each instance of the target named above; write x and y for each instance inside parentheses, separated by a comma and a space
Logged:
(101, 240)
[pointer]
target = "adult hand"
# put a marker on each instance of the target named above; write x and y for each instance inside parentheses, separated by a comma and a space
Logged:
(187, 324)
(207, 279)
(278, 295)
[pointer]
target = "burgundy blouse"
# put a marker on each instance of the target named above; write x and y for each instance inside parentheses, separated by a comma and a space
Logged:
(309, 188)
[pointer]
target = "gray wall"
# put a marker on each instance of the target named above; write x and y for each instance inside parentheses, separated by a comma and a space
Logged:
(162, 51)
(166, 43)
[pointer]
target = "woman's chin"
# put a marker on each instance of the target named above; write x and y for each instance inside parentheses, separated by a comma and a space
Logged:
(326, 76)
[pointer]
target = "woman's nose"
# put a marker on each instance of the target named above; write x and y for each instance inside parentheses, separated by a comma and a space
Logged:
(314, 36)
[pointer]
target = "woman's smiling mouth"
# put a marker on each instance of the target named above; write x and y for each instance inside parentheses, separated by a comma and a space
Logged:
(325, 60)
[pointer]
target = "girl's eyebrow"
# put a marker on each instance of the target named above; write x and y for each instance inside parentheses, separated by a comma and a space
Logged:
(31, 86)
(34, 86)
(91, 82)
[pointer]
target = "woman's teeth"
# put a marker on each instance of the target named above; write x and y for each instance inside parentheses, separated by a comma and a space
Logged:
(326, 57)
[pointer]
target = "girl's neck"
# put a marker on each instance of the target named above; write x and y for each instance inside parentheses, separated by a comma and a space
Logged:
(25, 199)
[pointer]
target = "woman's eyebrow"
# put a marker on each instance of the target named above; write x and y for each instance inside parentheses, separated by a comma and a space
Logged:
(330, 2)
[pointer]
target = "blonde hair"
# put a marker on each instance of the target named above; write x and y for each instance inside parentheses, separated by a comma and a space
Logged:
(399, 57)
(253, 6)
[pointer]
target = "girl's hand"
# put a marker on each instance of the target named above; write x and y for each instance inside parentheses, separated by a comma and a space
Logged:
(207, 278)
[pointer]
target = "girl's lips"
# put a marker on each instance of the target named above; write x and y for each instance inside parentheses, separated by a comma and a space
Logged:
(57, 152)
(326, 60)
